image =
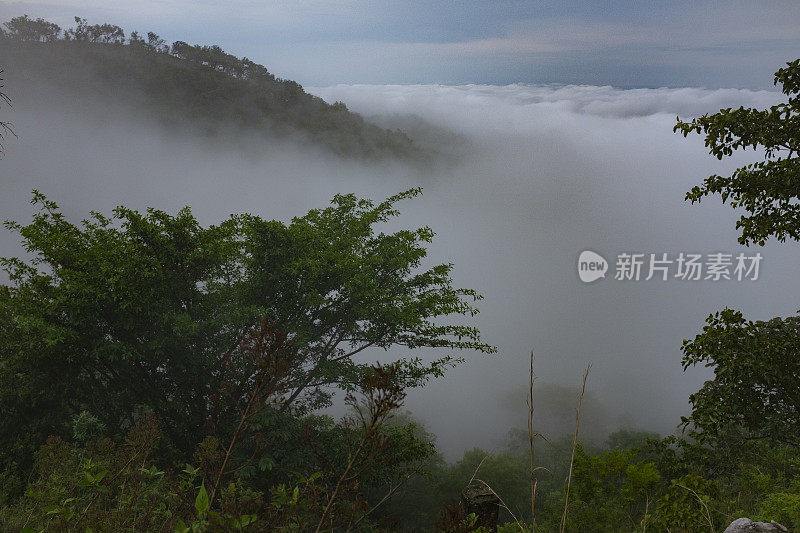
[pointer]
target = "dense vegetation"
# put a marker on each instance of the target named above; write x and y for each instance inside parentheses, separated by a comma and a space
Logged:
(187, 88)
(158, 375)
(157, 342)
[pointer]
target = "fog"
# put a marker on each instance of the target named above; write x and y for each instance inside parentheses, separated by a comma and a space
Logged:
(539, 175)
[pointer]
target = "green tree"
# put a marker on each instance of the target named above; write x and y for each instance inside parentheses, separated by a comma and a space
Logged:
(767, 190)
(27, 29)
(117, 484)
(611, 492)
(755, 391)
(756, 385)
(688, 505)
(627, 438)
(147, 310)
(95, 33)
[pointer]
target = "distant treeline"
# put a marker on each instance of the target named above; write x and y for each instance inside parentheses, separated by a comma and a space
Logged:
(202, 85)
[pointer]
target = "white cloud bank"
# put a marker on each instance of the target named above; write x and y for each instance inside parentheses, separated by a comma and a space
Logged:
(550, 172)
(460, 105)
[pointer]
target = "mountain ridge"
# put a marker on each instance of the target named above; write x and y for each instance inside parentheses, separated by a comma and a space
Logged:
(200, 88)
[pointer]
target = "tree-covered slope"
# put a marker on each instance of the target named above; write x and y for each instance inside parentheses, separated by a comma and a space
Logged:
(201, 88)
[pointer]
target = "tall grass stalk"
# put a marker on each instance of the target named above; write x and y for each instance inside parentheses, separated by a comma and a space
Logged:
(574, 445)
(532, 448)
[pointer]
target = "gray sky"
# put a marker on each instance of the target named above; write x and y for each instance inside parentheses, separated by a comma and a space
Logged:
(622, 43)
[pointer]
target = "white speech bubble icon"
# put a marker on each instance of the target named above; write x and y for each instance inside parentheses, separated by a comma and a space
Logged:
(591, 266)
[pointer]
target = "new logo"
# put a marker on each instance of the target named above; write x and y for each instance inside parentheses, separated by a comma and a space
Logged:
(591, 266)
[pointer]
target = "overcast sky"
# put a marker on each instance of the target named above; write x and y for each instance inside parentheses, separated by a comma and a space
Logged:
(621, 43)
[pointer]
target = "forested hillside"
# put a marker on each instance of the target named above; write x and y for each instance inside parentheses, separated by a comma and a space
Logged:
(197, 88)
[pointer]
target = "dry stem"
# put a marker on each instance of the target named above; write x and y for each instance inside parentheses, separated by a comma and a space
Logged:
(574, 445)
(530, 442)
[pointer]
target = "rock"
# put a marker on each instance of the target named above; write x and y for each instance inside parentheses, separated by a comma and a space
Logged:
(745, 525)
(479, 499)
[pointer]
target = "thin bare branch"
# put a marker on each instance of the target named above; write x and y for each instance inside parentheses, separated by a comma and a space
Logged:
(574, 445)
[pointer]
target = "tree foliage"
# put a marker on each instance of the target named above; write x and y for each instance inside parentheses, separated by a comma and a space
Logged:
(95, 33)
(768, 190)
(754, 393)
(149, 310)
(612, 492)
(109, 484)
(755, 386)
(27, 29)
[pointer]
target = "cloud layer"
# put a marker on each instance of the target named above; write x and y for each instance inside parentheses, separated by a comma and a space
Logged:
(495, 105)
(552, 171)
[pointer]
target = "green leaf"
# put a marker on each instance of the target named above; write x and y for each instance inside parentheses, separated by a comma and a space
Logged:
(202, 502)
